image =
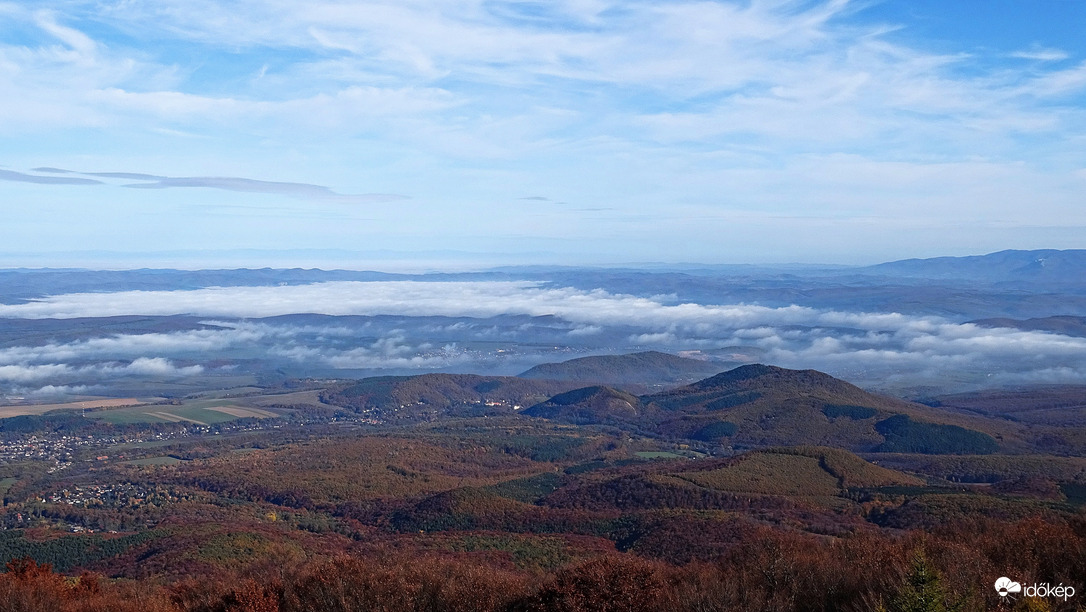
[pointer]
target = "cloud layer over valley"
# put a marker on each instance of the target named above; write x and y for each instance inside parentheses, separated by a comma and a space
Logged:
(354, 328)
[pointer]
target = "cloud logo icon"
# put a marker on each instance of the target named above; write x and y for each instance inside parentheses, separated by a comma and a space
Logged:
(1005, 586)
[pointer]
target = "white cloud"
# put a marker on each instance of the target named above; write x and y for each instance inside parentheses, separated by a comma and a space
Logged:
(1041, 54)
(27, 373)
(781, 68)
(49, 391)
(152, 366)
(133, 345)
(83, 47)
(142, 366)
(793, 336)
(585, 330)
(413, 298)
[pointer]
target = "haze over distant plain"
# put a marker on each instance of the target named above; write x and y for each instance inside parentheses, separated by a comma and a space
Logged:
(574, 131)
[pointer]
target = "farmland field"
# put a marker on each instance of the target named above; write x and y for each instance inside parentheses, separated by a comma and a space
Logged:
(198, 412)
(163, 414)
(12, 411)
(309, 398)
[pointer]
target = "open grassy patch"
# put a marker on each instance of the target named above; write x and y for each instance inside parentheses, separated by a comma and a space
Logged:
(769, 474)
(803, 471)
(657, 455)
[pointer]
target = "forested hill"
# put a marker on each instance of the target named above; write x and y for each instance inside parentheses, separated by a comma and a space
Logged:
(760, 405)
(644, 370)
(429, 396)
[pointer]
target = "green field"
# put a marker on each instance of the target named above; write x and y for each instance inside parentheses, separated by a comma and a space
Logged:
(163, 414)
(204, 411)
(233, 392)
(209, 402)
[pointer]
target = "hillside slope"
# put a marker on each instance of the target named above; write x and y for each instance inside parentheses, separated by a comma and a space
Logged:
(433, 395)
(589, 405)
(644, 370)
(759, 405)
(1047, 265)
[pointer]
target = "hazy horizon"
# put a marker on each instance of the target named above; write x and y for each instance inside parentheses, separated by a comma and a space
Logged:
(395, 262)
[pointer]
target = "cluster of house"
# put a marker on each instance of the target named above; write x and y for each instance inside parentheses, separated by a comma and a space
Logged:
(110, 495)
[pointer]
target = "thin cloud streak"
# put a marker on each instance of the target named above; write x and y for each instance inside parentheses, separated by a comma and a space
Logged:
(19, 177)
(296, 190)
(303, 191)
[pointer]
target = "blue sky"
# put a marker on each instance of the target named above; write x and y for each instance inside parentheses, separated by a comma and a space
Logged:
(347, 134)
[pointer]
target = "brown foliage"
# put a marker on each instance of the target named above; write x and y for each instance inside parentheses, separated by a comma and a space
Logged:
(349, 585)
(31, 587)
(763, 568)
(613, 583)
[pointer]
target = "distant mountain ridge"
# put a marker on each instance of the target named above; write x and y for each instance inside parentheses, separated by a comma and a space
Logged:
(1002, 266)
(1061, 324)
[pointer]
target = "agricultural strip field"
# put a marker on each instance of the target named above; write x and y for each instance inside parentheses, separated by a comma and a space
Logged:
(94, 404)
(199, 412)
(241, 412)
(308, 398)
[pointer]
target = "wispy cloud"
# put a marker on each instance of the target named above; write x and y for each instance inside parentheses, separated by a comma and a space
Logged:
(296, 190)
(303, 191)
(19, 177)
(1041, 54)
(135, 176)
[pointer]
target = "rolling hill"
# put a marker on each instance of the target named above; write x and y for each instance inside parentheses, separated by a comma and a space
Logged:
(759, 405)
(643, 371)
(589, 405)
(432, 395)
